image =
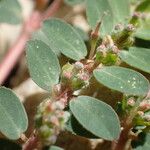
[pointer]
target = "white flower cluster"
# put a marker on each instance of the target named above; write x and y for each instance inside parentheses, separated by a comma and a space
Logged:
(50, 120)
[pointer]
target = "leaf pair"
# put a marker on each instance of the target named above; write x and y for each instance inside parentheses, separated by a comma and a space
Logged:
(45, 68)
(97, 117)
(54, 37)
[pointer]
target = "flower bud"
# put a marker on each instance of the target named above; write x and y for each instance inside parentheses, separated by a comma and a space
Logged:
(57, 89)
(101, 48)
(95, 32)
(119, 27)
(131, 102)
(135, 18)
(67, 75)
(140, 113)
(130, 28)
(147, 117)
(144, 105)
(84, 76)
(78, 65)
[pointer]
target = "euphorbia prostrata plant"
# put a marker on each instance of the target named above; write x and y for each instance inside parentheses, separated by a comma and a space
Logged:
(114, 28)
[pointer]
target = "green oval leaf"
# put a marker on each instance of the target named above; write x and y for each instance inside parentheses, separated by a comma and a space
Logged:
(144, 6)
(10, 12)
(62, 37)
(117, 11)
(143, 33)
(13, 118)
(43, 64)
(41, 36)
(96, 116)
(122, 79)
(74, 2)
(137, 57)
(55, 148)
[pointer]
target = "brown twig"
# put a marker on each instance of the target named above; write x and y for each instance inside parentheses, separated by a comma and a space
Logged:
(31, 25)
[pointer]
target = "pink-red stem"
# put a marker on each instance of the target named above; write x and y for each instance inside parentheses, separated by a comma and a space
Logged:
(31, 25)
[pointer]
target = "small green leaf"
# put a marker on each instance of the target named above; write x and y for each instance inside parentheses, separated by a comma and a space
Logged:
(122, 79)
(10, 12)
(143, 33)
(74, 2)
(13, 118)
(137, 57)
(96, 116)
(117, 11)
(43, 64)
(55, 148)
(62, 37)
(144, 6)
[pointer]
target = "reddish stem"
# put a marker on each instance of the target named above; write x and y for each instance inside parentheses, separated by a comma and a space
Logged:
(14, 53)
(11, 58)
(52, 9)
(29, 27)
(31, 143)
(123, 139)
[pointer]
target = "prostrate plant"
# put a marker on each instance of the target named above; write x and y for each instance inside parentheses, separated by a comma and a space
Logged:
(66, 109)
